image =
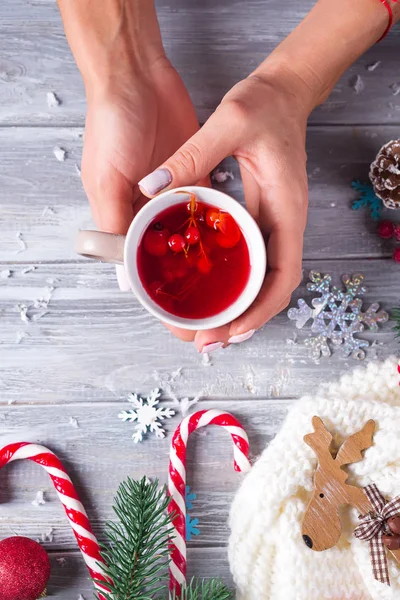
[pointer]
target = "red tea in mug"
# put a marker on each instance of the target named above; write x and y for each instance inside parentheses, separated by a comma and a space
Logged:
(193, 260)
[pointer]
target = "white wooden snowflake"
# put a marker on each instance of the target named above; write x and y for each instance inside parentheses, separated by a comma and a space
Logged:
(146, 414)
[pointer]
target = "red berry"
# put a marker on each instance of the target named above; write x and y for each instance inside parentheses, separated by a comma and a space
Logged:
(227, 225)
(156, 240)
(24, 569)
(155, 287)
(397, 232)
(204, 265)
(192, 235)
(200, 217)
(229, 234)
(396, 255)
(181, 271)
(212, 216)
(168, 275)
(386, 230)
(227, 241)
(176, 243)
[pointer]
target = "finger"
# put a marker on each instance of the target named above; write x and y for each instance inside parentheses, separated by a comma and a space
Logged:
(111, 200)
(197, 157)
(210, 340)
(284, 251)
(252, 192)
(182, 334)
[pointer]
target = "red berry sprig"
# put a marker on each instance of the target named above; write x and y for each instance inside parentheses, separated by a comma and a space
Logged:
(182, 249)
(388, 230)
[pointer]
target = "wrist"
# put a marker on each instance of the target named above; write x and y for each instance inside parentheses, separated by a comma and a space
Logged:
(278, 71)
(112, 41)
(332, 36)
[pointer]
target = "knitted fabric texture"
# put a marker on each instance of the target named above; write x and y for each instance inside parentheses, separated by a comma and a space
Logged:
(268, 557)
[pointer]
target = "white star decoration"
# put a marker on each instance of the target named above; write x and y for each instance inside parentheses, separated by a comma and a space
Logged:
(146, 414)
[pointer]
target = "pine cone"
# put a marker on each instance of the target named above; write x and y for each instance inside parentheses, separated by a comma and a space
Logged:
(385, 174)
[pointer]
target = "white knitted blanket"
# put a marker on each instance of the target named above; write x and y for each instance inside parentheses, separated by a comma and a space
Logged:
(268, 557)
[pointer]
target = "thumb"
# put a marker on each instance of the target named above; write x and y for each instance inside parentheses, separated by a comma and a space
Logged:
(195, 159)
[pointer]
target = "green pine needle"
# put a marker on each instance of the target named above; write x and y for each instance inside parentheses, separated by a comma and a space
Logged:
(212, 589)
(396, 317)
(136, 558)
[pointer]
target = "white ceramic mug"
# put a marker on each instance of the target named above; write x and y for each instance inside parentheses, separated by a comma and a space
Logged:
(121, 249)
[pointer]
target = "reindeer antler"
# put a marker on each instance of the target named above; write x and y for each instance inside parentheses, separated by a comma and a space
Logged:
(350, 451)
(320, 441)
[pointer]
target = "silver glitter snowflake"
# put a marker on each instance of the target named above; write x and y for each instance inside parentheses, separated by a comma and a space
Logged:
(146, 414)
(337, 316)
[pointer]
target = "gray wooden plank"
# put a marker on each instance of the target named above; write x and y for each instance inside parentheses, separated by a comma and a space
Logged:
(100, 453)
(44, 200)
(212, 44)
(98, 344)
(70, 578)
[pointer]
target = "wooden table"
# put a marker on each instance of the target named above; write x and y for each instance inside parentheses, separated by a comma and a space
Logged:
(95, 345)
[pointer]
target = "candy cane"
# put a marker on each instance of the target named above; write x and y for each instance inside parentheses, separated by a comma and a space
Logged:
(74, 509)
(177, 480)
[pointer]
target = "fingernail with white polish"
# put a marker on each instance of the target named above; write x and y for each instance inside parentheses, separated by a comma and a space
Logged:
(156, 181)
(211, 347)
(122, 278)
(243, 337)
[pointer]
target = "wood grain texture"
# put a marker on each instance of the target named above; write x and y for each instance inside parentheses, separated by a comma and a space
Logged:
(69, 576)
(94, 345)
(97, 344)
(43, 198)
(321, 526)
(100, 453)
(213, 45)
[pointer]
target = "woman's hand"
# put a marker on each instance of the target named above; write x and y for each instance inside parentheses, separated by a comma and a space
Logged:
(139, 112)
(262, 123)
(132, 125)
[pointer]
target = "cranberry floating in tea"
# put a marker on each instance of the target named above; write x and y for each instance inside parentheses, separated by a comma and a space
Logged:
(193, 260)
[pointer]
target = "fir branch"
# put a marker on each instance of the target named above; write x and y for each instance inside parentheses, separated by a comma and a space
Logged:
(395, 314)
(136, 558)
(213, 589)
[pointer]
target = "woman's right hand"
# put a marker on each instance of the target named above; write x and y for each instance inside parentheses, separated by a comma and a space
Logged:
(262, 123)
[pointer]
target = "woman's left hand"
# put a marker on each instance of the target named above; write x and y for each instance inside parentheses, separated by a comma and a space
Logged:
(262, 123)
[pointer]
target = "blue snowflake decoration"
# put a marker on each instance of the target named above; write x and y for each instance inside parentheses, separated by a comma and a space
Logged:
(367, 199)
(191, 524)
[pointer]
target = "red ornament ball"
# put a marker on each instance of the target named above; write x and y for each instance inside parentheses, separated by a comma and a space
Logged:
(386, 230)
(397, 232)
(396, 255)
(24, 569)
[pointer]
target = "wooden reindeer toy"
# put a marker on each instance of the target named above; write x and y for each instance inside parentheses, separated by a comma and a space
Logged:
(380, 521)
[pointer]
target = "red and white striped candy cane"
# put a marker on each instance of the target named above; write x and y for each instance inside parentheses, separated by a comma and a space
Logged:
(177, 480)
(66, 491)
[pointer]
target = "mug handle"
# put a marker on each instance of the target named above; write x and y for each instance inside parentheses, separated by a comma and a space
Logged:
(107, 247)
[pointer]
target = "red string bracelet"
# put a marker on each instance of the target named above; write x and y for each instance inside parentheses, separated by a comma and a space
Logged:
(390, 11)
